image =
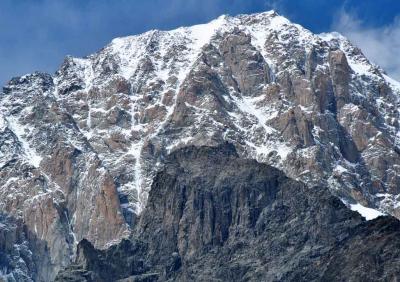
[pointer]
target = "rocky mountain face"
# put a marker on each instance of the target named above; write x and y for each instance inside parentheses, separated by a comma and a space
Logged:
(213, 216)
(16, 257)
(80, 150)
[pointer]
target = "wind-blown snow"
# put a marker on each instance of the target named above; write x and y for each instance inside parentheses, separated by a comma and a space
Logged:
(328, 36)
(392, 82)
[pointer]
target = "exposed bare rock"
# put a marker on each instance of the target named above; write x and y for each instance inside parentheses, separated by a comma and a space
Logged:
(213, 216)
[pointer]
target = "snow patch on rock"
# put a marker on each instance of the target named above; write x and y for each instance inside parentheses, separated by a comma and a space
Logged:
(365, 212)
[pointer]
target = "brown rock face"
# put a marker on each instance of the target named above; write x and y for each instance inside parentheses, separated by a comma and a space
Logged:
(244, 61)
(340, 71)
(57, 186)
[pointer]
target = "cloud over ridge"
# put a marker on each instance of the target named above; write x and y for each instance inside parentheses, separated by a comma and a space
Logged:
(381, 45)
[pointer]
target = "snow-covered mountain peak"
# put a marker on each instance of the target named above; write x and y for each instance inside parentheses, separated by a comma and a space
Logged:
(357, 60)
(88, 141)
(130, 50)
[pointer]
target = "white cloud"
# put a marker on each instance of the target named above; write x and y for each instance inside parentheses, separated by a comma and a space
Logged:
(380, 44)
(276, 5)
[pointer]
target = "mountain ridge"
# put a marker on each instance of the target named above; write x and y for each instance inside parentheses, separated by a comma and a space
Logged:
(213, 216)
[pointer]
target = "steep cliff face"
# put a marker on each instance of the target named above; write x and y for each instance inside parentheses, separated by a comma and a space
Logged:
(213, 216)
(79, 150)
(16, 258)
(60, 190)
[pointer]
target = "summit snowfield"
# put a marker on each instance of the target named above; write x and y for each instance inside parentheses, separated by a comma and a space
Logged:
(79, 149)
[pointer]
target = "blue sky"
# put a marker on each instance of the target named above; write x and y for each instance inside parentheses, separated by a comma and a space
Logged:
(37, 34)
